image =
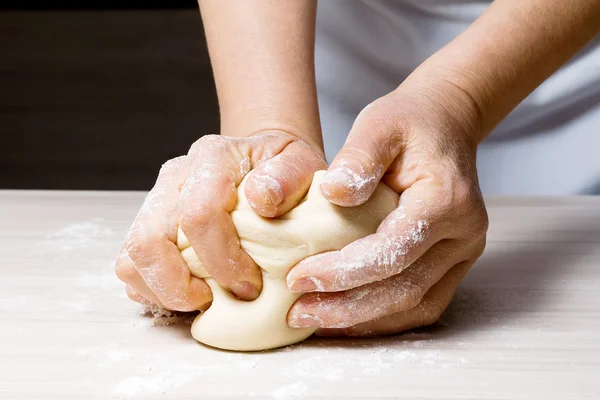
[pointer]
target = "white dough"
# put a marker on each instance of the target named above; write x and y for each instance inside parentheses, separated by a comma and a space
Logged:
(276, 245)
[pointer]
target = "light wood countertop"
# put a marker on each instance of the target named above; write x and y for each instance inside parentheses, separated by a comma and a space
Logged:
(525, 323)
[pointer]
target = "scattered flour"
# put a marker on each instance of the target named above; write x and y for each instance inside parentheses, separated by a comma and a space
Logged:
(161, 382)
(162, 317)
(152, 373)
(79, 236)
(156, 373)
(295, 391)
(335, 363)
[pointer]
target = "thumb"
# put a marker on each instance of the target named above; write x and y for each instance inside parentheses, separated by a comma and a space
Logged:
(372, 145)
(280, 183)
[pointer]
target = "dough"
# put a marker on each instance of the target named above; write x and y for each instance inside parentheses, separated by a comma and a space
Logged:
(276, 245)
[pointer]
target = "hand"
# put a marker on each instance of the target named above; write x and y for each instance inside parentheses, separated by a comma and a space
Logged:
(197, 192)
(422, 143)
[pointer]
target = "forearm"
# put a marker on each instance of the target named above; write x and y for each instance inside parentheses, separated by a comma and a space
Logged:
(510, 50)
(262, 52)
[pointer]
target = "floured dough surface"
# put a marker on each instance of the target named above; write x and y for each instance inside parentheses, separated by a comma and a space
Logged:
(276, 245)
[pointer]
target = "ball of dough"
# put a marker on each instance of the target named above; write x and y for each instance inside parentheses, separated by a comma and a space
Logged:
(276, 245)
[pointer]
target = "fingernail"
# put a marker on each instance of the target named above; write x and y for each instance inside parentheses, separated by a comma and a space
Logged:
(305, 321)
(307, 284)
(271, 189)
(346, 188)
(337, 177)
(245, 290)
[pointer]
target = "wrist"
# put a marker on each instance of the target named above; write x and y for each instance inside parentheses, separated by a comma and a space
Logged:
(303, 129)
(449, 108)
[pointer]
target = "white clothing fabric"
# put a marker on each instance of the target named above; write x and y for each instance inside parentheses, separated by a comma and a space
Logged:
(549, 145)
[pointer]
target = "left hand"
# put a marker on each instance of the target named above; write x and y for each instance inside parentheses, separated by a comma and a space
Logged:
(422, 142)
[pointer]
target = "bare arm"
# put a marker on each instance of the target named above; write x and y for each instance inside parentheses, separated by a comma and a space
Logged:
(262, 53)
(510, 50)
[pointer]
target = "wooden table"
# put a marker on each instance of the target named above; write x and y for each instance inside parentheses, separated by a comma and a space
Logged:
(525, 323)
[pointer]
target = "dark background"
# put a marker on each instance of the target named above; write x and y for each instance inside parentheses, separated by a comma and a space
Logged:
(100, 96)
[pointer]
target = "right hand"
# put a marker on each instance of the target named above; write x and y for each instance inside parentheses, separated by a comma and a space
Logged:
(197, 192)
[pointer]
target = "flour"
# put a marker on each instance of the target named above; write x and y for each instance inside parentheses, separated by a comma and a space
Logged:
(163, 371)
(265, 181)
(377, 256)
(244, 361)
(152, 374)
(360, 185)
(369, 357)
(163, 317)
(134, 387)
(295, 391)
(144, 359)
(80, 236)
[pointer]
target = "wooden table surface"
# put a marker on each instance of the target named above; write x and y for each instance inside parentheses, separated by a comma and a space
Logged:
(525, 323)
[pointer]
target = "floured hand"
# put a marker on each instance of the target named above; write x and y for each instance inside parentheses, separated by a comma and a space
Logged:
(197, 192)
(405, 274)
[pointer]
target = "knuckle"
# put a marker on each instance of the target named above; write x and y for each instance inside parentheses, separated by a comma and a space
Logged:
(207, 141)
(140, 245)
(126, 272)
(173, 163)
(464, 197)
(196, 218)
(478, 222)
(467, 205)
(484, 222)
(480, 247)
(430, 313)
(210, 140)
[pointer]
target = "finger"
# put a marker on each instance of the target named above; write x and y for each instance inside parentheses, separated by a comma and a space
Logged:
(152, 249)
(373, 143)
(135, 296)
(207, 199)
(427, 312)
(421, 220)
(370, 259)
(398, 293)
(127, 273)
(279, 184)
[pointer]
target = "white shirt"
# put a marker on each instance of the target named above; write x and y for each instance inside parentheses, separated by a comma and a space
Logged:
(550, 144)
